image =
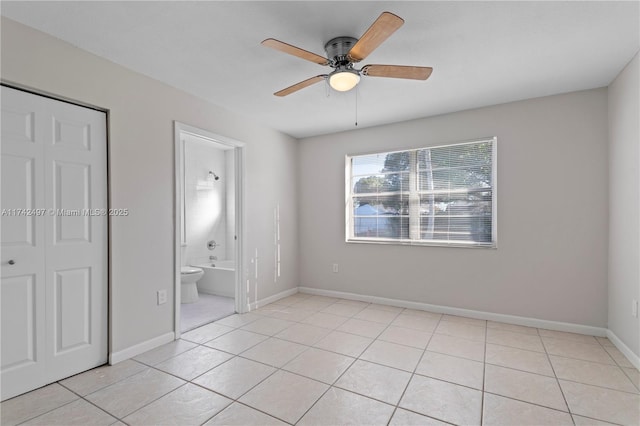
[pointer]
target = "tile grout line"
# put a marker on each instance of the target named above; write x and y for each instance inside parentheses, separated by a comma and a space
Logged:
(484, 375)
(233, 400)
(118, 419)
(554, 377)
(616, 361)
(397, 405)
(350, 365)
(83, 398)
(347, 369)
(564, 398)
(53, 409)
(368, 346)
(151, 402)
(537, 404)
(237, 400)
(277, 369)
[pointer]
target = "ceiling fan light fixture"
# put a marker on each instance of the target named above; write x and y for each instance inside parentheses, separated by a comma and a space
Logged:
(344, 80)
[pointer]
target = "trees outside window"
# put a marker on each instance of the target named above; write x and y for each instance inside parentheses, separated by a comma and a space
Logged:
(441, 195)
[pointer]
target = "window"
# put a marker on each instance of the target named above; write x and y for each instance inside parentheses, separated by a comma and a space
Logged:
(442, 195)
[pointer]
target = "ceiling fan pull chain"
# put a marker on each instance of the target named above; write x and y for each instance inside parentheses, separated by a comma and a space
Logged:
(356, 91)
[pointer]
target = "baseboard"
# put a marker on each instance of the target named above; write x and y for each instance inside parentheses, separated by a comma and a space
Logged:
(135, 350)
(632, 357)
(259, 303)
(511, 319)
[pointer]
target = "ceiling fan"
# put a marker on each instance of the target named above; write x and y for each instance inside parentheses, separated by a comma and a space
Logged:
(344, 52)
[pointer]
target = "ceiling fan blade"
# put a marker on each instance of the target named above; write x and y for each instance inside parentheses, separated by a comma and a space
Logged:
(295, 51)
(397, 71)
(386, 24)
(308, 82)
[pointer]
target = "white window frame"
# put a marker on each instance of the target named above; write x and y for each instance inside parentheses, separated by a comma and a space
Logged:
(349, 209)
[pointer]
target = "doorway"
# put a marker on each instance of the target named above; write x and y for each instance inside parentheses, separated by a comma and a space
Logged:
(208, 227)
(54, 288)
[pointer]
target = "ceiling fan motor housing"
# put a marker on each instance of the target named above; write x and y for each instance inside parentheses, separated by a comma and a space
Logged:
(337, 50)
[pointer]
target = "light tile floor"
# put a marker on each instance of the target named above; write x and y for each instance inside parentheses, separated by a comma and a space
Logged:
(323, 361)
(208, 308)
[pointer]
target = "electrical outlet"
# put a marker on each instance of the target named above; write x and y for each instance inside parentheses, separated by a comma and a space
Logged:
(335, 268)
(634, 308)
(162, 297)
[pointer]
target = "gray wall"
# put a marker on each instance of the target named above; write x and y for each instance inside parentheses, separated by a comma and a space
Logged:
(624, 204)
(551, 260)
(141, 173)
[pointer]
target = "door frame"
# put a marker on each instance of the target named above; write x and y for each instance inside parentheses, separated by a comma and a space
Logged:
(239, 159)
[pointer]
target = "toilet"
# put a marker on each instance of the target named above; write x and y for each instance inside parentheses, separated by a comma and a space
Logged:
(189, 276)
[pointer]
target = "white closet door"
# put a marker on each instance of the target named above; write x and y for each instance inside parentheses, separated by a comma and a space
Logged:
(22, 288)
(54, 295)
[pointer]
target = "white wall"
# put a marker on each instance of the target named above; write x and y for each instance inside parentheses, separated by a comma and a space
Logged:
(142, 111)
(624, 204)
(205, 201)
(230, 203)
(551, 260)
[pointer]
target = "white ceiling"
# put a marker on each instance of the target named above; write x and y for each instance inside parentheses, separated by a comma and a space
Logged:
(483, 53)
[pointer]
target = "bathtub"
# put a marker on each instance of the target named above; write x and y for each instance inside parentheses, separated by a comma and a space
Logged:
(219, 278)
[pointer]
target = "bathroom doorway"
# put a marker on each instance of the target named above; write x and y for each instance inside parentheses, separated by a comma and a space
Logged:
(208, 206)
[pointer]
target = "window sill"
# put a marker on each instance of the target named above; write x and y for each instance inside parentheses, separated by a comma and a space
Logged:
(492, 245)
